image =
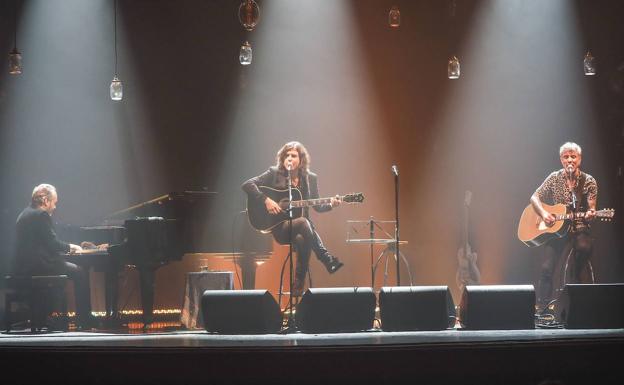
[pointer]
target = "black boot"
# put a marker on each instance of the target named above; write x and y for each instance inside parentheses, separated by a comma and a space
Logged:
(332, 264)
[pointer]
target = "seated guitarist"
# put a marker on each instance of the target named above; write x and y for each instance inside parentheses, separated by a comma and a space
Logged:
(294, 155)
(578, 191)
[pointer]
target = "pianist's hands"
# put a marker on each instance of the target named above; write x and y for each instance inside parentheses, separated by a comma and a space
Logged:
(73, 249)
(92, 246)
(88, 245)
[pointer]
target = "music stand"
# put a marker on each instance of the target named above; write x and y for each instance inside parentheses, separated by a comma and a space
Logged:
(355, 231)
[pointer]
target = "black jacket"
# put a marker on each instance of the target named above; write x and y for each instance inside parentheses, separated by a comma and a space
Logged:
(37, 246)
(278, 179)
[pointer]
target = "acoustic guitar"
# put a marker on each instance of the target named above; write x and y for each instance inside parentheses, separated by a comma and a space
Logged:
(533, 231)
(261, 220)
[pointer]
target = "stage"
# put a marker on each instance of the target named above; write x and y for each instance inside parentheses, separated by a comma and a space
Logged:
(193, 357)
(159, 128)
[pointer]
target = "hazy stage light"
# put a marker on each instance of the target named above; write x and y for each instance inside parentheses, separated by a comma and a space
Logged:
(589, 64)
(246, 54)
(116, 89)
(15, 62)
(453, 68)
(249, 14)
(394, 17)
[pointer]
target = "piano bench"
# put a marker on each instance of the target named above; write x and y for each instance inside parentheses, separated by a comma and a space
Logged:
(42, 294)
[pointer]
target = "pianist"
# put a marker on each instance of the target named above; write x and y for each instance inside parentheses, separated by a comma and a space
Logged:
(40, 252)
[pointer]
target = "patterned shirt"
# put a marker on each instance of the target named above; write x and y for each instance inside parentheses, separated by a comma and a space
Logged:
(555, 190)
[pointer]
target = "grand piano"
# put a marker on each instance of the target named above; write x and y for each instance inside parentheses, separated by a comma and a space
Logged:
(146, 236)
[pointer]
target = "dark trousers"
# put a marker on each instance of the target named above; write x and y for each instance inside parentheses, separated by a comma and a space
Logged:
(566, 260)
(305, 240)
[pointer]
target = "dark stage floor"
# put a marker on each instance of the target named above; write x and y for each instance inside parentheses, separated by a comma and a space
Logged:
(200, 338)
(429, 357)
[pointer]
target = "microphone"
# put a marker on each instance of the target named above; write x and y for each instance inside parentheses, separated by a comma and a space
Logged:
(289, 166)
(570, 169)
(395, 170)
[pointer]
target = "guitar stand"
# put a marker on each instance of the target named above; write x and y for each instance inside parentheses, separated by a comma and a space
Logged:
(390, 250)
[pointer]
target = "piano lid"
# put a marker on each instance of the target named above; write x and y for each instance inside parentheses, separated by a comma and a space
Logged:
(167, 206)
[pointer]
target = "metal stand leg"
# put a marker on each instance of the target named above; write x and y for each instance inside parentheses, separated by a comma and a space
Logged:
(591, 270)
(409, 270)
(565, 271)
(390, 250)
(281, 285)
(374, 269)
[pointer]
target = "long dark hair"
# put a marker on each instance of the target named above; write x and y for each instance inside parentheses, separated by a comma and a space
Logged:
(304, 157)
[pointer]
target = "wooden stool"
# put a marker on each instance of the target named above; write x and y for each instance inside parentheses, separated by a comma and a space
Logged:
(41, 293)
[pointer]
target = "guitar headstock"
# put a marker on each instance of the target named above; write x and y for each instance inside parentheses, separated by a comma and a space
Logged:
(606, 214)
(353, 198)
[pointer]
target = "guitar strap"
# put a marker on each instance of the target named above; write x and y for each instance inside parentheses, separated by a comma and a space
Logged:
(579, 193)
(581, 203)
(306, 193)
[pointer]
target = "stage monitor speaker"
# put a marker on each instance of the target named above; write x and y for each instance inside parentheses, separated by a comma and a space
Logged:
(593, 306)
(416, 308)
(240, 312)
(346, 309)
(498, 307)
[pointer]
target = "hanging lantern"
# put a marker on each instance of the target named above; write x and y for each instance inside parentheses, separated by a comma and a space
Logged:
(249, 14)
(15, 62)
(246, 54)
(116, 89)
(589, 64)
(394, 17)
(453, 68)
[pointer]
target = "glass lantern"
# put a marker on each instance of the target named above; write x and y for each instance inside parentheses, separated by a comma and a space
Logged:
(116, 89)
(246, 54)
(453, 68)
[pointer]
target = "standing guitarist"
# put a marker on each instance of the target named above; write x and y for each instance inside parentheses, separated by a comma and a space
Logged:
(294, 156)
(578, 191)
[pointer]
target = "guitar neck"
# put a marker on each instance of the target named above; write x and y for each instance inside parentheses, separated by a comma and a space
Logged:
(311, 202)
(566, 216)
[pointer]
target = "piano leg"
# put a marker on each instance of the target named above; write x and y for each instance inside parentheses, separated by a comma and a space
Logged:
(147, 280)
(110, 296)
(247, 265)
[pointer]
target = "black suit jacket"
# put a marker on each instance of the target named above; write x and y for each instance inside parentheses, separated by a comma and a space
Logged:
(37, 246)
(278, 179)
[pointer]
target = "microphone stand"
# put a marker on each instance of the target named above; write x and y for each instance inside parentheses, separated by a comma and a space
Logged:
(291, 320)
(573, 227)
(395, 171)
(371, 237)
(573, 190)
